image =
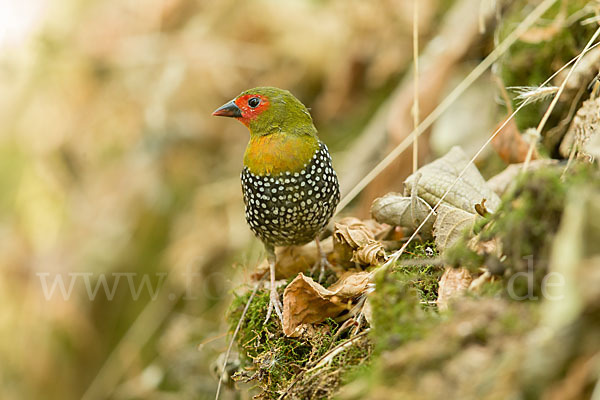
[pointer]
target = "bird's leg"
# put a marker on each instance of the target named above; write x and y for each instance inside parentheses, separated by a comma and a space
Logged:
(274, 302)
(321, 262)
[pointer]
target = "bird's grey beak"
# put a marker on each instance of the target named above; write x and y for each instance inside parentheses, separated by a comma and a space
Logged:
(228, 110)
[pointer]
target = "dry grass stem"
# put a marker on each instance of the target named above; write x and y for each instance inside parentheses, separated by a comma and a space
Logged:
(416, 83)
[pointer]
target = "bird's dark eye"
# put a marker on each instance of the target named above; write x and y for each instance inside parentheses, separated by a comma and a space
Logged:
(254, 102)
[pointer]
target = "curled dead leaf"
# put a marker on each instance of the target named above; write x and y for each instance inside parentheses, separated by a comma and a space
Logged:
(372, 253)
(354, 240)
(352, 232)
(453, 283)
(307, 302)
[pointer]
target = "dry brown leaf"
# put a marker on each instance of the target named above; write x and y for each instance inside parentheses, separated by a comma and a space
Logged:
(354, 240)
(450, 224)
(372, 253)
(439, 175)
(510, 144)
(307, 302)
(454, 283)
(352, 232)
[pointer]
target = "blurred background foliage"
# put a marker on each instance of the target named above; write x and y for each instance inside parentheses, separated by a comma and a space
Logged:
(111, 163)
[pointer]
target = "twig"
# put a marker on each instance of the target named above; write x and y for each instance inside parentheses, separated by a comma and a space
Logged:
(235, 332)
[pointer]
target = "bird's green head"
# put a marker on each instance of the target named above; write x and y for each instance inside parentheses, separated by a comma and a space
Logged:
(267, 110)
(282, 135)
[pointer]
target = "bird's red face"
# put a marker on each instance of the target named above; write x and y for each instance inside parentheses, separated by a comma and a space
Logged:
(244, 108)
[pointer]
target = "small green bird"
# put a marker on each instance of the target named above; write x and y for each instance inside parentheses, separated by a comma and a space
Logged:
(290, 188)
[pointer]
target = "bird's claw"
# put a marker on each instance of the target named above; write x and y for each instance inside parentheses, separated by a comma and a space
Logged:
(322, 264)
(274, 303)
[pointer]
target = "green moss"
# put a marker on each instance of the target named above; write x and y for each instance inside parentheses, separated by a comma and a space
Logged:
(401, 301)
(282, 364)
(423, 278)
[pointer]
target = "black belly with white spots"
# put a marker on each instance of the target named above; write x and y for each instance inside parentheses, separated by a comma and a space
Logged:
(293, 207)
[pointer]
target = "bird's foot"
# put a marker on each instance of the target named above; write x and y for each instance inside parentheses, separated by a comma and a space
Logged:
(321, 265)
(322, 262)
(274, 304)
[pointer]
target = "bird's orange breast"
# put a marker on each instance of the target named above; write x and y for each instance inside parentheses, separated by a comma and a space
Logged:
(279, 153)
